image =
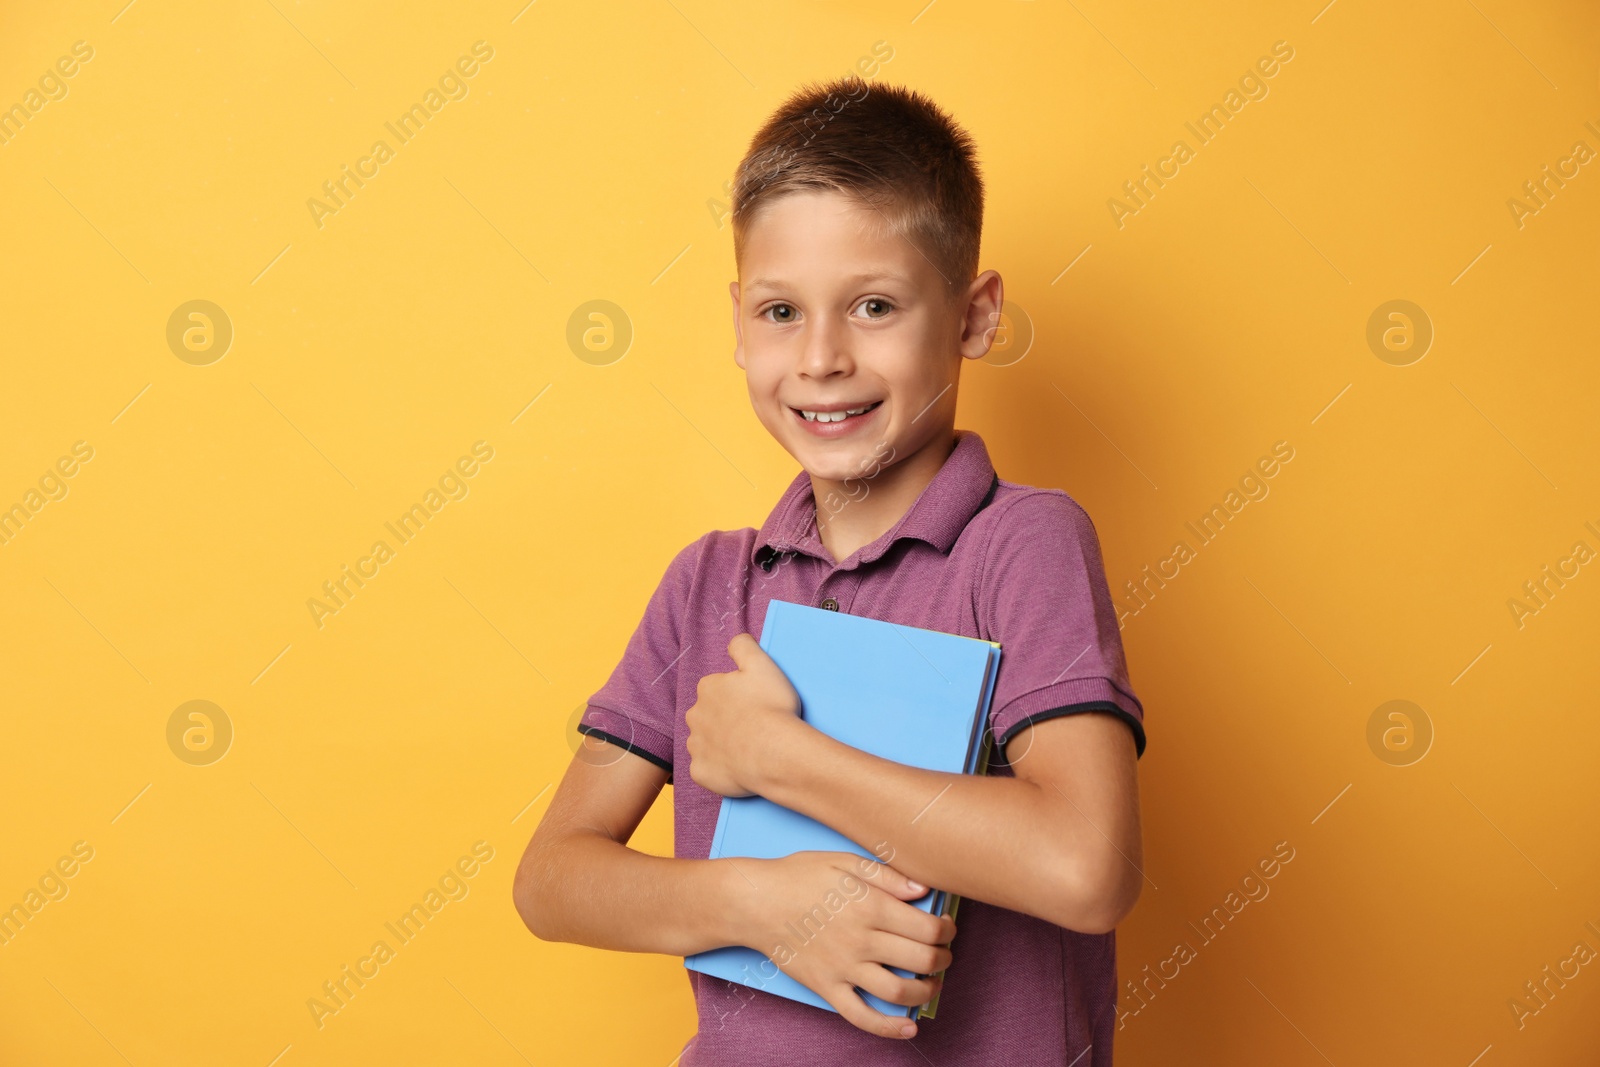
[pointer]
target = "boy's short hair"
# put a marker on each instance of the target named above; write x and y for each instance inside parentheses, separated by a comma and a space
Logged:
(890, 148)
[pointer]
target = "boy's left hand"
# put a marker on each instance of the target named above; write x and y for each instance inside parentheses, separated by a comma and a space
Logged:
(739, 720)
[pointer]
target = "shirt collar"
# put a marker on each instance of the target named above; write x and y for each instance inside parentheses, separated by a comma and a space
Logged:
(958, 491)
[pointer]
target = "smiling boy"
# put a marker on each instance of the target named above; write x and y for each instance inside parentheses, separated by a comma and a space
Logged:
(857, 217)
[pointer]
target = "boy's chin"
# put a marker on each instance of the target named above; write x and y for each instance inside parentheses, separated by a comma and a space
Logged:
(836, 461)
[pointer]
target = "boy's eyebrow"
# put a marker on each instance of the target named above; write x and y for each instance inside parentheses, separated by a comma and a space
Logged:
(864, 276)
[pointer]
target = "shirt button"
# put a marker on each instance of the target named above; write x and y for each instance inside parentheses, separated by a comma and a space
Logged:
(831, 604)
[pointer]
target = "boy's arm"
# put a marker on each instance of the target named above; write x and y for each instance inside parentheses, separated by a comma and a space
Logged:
(1060, 841)
(578, 881)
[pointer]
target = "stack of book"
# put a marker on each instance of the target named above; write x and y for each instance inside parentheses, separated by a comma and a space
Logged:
(914, 696)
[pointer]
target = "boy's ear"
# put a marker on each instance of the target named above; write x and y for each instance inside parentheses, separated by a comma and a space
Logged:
(738, 331)
(985, 298)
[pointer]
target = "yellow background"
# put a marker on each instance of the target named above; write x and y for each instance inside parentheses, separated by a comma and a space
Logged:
(433, 710)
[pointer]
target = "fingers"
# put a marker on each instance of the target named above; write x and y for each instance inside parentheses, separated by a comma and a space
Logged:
(855, 1011)
(898, 917)
(918, 957)
(886, 985)
(896, 914)
(885, 878)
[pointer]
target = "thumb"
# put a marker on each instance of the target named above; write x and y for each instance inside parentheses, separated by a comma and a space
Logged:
(746, 651)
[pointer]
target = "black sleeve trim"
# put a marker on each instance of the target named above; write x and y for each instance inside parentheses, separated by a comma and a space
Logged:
(1073, 709)
(595, 731)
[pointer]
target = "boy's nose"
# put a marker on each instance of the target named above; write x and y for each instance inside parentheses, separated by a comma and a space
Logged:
(827, 350)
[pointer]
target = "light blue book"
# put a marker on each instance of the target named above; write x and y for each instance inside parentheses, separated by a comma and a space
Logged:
(918, 697)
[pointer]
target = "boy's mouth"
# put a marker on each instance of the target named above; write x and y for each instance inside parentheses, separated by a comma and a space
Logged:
(834, 415)
(838, 421)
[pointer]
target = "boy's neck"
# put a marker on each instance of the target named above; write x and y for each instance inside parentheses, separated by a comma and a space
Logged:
(864, 509)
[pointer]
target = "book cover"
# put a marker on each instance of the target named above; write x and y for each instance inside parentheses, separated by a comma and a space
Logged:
(916, 696)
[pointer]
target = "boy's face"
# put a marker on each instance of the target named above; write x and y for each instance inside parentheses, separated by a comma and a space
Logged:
(837, 313)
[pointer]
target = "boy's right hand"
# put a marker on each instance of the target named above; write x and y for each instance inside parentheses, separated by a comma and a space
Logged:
(833, 951)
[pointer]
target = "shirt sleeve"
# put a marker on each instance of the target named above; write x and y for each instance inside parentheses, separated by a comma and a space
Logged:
(637, 708)
(1046, 601)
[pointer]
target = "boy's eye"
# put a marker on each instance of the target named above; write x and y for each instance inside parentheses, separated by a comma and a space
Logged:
(878, 308)
(780, 313)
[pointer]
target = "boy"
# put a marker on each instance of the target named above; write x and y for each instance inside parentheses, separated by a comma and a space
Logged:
(856, 220)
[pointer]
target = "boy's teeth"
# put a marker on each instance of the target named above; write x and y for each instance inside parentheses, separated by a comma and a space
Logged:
(832, 416)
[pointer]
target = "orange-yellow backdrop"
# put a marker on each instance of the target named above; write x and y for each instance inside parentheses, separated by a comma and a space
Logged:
(1442, 458)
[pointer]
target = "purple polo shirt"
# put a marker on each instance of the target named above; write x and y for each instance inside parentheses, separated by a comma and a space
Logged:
(974, 555)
